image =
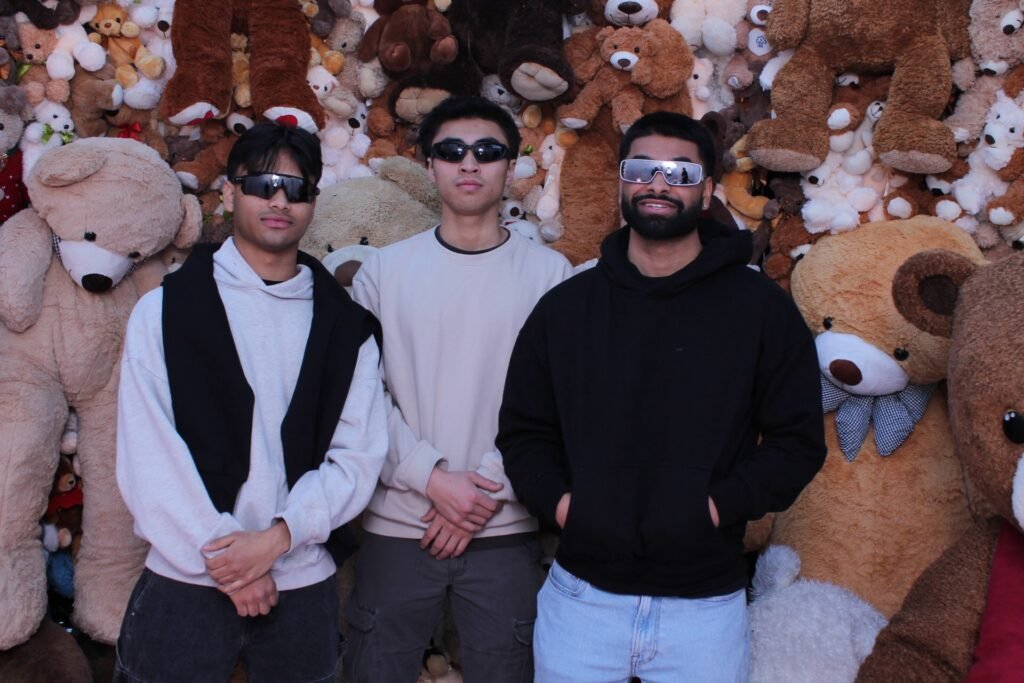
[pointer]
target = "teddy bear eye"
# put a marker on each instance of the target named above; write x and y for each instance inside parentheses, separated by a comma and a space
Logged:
(38, 46)
(827, 323)
(90, 237)
(134, 255)
(901, 353)
(636, 49)
(1013, 130)
(1013, 426)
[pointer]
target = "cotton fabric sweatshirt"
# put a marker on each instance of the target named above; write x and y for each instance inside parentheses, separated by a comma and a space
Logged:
(643, 397)
(157, 475)
(449, 321)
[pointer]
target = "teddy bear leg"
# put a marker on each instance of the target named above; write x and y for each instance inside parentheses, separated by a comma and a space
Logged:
(415, 102)
(201, 87)
(797, 139)
(1009, 208)
(589, 197)
(532, 64)
(584, 108)
(909, 137)
(111, 556)
(34, 410)
(279, 36)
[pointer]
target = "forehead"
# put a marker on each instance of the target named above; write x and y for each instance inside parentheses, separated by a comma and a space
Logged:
(284, 164)
(664, 148)
(470, 130)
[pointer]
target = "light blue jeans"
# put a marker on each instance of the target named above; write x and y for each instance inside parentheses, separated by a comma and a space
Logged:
(586, 635)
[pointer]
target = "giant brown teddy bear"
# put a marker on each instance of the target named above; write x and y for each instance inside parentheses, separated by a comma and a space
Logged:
(915, 39)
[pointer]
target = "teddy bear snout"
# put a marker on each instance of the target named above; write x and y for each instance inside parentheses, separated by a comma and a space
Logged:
(624, 61)
(630, 7)
(989, 139)
(96, 283)
(846, 372)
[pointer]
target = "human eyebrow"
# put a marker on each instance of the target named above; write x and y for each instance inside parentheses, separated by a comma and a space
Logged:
(484, 141)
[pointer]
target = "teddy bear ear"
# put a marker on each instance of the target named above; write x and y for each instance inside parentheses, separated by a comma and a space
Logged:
(191, 222)
(69, 164)
(926, 287)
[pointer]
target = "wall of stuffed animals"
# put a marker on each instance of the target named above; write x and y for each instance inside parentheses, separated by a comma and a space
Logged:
(904, 116)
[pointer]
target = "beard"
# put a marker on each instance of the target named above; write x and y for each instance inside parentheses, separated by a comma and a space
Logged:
(660, 227)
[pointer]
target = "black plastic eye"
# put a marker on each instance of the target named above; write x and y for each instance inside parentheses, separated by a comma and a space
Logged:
(901, 354)
(1013, 130)
(1013, 426)
(827, 323)
(90, 237)
(636, 50)
(134, 255)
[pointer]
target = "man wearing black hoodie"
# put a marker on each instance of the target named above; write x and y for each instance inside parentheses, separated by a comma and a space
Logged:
(654, 404)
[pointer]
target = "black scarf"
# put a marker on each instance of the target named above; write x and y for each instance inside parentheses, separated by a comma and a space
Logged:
(212, 401)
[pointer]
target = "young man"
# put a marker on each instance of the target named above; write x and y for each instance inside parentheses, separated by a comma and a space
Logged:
(655, 404)
(443, 520)
(252, 425)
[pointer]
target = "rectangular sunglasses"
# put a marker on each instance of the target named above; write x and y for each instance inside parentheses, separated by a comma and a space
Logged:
(266, 185)
(456, 150)
(677, 173)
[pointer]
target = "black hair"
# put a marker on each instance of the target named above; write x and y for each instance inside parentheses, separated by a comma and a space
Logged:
(258, 149)
(467, 107)
(673, 125)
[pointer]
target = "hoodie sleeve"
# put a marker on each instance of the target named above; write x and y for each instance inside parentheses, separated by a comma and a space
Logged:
(156, 474)
(788, 415)
(529, 433)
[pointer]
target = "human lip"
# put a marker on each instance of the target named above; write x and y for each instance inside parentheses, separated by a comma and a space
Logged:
(274, 220)
(468, 184)
(659, 206)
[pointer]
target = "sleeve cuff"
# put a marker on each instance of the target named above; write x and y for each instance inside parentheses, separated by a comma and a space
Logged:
(732, 498)
(415, 471)
(300, 533)
(549, 491)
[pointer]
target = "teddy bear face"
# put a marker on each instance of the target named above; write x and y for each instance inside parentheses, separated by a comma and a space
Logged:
(347, 34)
(843, 289)
(986, 393)
(628, 12)
(995, 37)
(73, 188)
(37, 44)
(624, 48)
(55, 117)
(109, 20)
(321, 82)
(11, 128)
(1003, 132)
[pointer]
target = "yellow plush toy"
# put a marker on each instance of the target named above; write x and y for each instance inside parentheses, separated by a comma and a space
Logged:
(120, 38)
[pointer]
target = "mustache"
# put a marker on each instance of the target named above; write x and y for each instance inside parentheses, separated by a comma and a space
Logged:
(635, 202)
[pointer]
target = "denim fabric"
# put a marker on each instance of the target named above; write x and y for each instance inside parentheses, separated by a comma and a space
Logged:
(586, 635)
(399, 596)
(175, 631)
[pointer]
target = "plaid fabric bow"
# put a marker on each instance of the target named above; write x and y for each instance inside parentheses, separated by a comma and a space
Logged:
(893, 415)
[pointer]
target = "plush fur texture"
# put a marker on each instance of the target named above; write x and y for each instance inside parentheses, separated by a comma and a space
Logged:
(51, 654)
(917, 38)
(62, 347)
(933, 636)
(843, 525)
(279, 34)
(14, 113)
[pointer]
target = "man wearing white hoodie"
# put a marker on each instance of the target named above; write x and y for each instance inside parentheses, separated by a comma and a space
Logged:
(253, 426)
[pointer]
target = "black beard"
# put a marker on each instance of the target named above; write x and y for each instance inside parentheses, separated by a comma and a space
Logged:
(660, 227)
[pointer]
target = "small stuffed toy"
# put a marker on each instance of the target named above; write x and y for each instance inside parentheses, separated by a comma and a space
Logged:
(64, 510)
(789, 242)
(137, 124)
(52, 128)
(9, 44)
(66, 291)
(709, 23)
(73, 46)
(153, 17)
(39, 44)
(961, 619)
(327, 14)
(14, 112)
(44, 15)
(753, 50)
(279, 36)
(916, 39)
(120, 38)
(93, 95)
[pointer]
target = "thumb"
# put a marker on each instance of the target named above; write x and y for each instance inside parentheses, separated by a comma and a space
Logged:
(219, 543)
(485, 483)
(429, 517)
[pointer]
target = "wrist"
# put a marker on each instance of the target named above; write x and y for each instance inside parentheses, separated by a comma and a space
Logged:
(282, 536)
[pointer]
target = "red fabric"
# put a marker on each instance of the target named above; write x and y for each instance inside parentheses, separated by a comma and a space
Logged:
(63, 501)
(999, 655)
(13, 195)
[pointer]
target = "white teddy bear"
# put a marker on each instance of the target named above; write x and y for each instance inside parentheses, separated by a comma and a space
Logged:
(153, 17)
(73, 45)
(709, 23)
(344, 143)
(53, 127)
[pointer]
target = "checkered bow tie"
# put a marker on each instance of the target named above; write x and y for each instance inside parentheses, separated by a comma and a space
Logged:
(893, 415)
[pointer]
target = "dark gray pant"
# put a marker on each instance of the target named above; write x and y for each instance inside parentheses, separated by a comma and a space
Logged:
(399, 594)
(174, 631)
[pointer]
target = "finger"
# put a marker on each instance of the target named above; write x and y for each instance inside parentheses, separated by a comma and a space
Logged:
(483, 482)
(273, 598)
(265, 606)
(463, 544)
(429, 517)
(430, 534)
(449, 547)
(439, 543)
(485, 504)
(219, 543)
(478, 519)
(468, 526)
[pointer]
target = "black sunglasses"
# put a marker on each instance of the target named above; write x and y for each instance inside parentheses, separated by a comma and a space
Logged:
(266, 185)
(485, 151)
(677, 173)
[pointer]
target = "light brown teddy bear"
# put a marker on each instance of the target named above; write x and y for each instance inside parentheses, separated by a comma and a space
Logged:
(120, 38)
(67, 286)
(915, 39)
(961, 621)
(890, 497)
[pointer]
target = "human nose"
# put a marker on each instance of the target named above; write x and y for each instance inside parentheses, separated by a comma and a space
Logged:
(469, 164)
(279, 200)
(659, 183)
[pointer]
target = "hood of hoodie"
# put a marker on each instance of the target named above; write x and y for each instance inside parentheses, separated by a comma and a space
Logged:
(726, 249)
(230, 269)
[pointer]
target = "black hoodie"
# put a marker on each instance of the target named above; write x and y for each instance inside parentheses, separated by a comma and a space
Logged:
(643, 396)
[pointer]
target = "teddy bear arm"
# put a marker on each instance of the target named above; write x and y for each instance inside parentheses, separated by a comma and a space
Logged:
(932, 637)
(788, 23)
(1014, 167)
(25, 252)
(371, 41)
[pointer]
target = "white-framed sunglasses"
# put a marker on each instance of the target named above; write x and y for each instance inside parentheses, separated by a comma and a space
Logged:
(676, 173)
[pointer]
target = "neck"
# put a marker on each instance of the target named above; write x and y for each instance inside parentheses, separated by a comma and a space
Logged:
(660, 258)
(276, 267)
(470, 233)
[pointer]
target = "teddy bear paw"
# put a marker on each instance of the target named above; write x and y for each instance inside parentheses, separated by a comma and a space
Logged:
(194, 114)
(948, 210)
(574, 123)
(188, 180)
(415, 103)
(538, 83)
(290, 116)
(1001, 216)
(899, 208)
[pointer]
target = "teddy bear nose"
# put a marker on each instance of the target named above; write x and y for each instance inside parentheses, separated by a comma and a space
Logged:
(846, 372)
(989, 139)
(630, 7)
(162, 26)
(96, 283)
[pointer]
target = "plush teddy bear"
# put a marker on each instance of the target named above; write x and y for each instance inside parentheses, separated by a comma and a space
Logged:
(327, 14)
(913, 38)
(51, 654)
(64, 509)
(14, 112)
(788, 243)
(73, 46)
(52, 128)
(38, 44)
(9, 44)
(46, 15)
(137, 124)
(153, 17)
(753, 50)
(120, 38)
(201, 85)
(209, 163)
(66, 291)
(961, 619)
(93, 95)
(344, 143)
(699, 86)
(886, 427)
(709, 23)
